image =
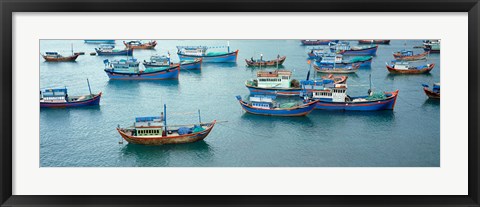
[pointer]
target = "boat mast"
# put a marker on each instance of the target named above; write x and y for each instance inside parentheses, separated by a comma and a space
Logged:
(199, 117)
(165, 117)
(89, 89)
(228, 46)
(72, 49)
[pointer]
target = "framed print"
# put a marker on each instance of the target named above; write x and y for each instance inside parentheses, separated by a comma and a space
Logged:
(189, 103)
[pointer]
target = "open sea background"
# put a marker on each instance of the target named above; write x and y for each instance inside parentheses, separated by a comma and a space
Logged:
(408, 136)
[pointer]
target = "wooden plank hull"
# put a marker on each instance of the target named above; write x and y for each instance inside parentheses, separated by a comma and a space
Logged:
(163, 140)
(301, 110)
(171, 73)
(399, 56)
(371, 51)
(410, 71)
(127, 52)
(61, 59)
(431, 94)
(224, 58)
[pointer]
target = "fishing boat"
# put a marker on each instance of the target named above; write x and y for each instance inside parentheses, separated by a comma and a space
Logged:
(408, 55)
(433, 46)
(193, 52)
(265, 105)
(277, 82)
(334, 97)
(332, 69)
(317, 42)
(55, 57)
(338, 60)
(318, 52)
(401, 67)
(99, 41)
(129, 69)
(344, 48)
(59, 98)
(165, 61)
(385, 42)
(261, 62)
(137, 44)
(153, 130)
(110, 50)
(434, 92)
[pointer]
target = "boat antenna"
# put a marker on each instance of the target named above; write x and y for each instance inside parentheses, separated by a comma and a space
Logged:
(228, 46)
(72, 49)
(199, 117)
(165, 117)
(89, 89)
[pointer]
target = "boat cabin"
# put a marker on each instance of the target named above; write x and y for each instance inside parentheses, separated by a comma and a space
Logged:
(193, 50)
(135, 43)
(148, 126)
(262, 102)
(106, 48)
(160, 60)
(335, 94)
(406, 52)
(52, 54)
(54, 95)
(274, 79)
(436, 87)
(123, 65)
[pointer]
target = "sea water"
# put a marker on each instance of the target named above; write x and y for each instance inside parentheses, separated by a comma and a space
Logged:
(86, 137)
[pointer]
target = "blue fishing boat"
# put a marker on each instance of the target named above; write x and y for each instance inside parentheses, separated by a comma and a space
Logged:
(338, 61)
(129, 70)
(165, 61)
(317, 42)
(334, 97)
(265, 105)
(110, 50)
(59, 98)
(344, 48)
(317, 52)
(194, 52)
(99, 41)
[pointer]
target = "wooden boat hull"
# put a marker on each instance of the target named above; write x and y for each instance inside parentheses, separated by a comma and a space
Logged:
(99, 41)
(128, 52)
(171, 73)
(266, 63)
(374, 42)
(90, 102)
(336, 70)
(411, 71)
(180, 139)
(224, 58)
(61, 59)
(431, 94)
(399, 56)
(386, 104)
(317, 42)
(196, 65)
(302, 110)
(148, 45)
(372, 51)
(430, 50)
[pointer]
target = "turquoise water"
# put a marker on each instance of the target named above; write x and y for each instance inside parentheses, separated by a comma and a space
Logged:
(86, 137)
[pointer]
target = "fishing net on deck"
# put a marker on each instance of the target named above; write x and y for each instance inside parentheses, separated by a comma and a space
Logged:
(197, 128)
(376, 96)
(359, 59)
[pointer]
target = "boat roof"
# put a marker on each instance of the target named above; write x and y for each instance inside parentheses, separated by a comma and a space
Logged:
(265, 99)
(51, 53)
(54, 92)
(148, 118)
(274, 73)
(106, 46)
(316, 82)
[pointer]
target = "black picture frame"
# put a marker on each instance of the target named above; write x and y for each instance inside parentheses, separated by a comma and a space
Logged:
(7, 7)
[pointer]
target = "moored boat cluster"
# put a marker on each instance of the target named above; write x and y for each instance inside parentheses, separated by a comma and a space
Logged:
(325, 89)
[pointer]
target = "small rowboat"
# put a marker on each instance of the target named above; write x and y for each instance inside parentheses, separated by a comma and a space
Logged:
(276, 62)
(405, 68)
(59, 98)
(154, 131)
(317, 42)
(407, 55)
(55, 57)
(434, 92)
(374, 42)
(335, 70)
(261, 105)
(140, 45)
